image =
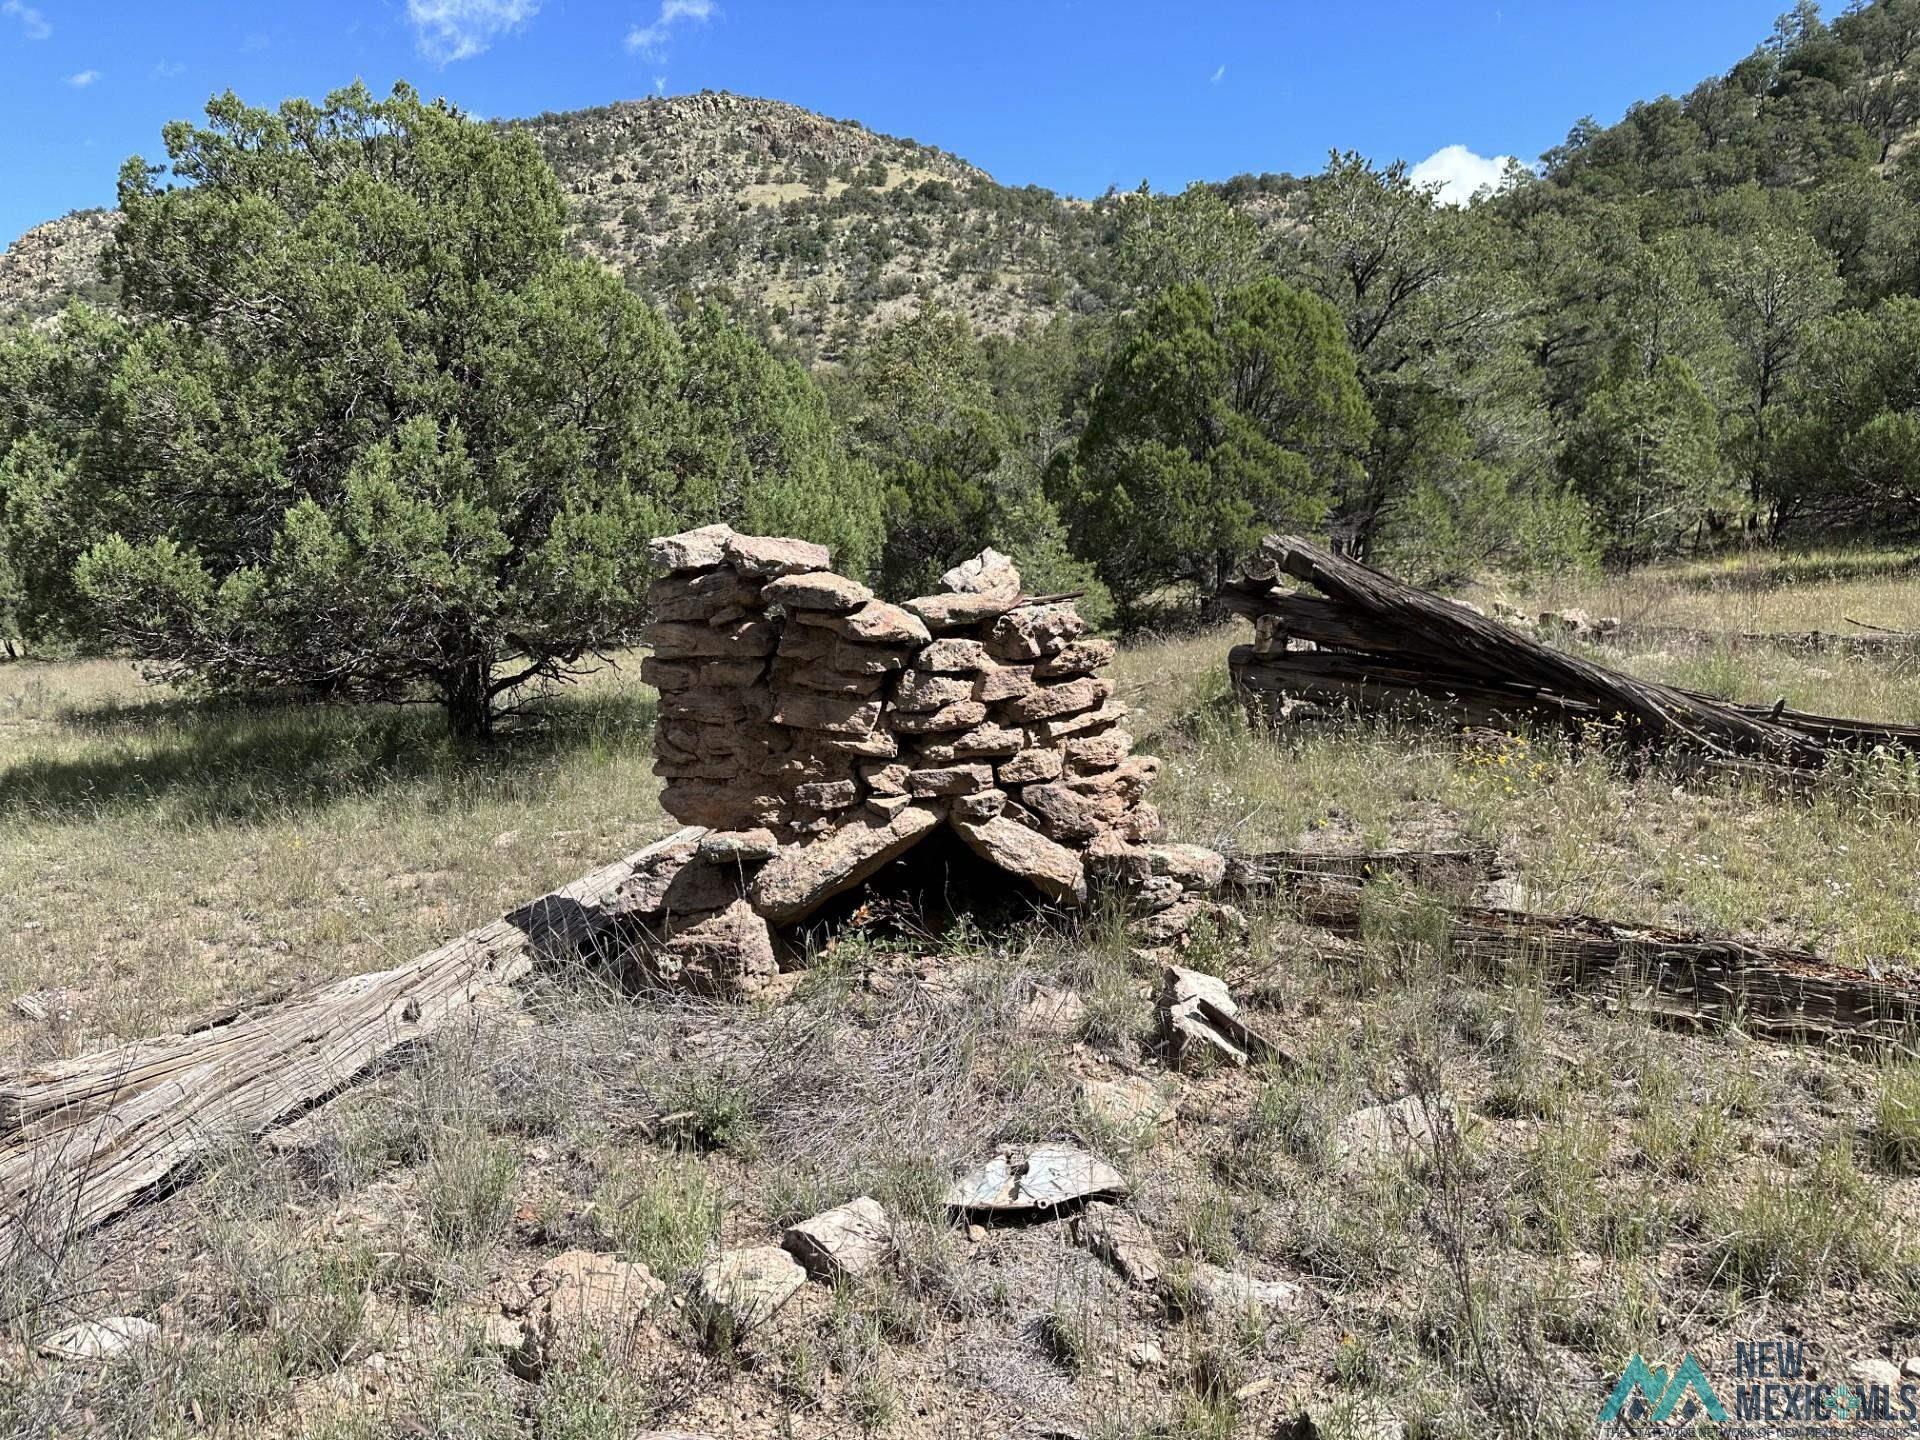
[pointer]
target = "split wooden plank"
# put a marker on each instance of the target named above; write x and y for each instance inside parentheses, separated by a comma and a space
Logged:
(83, 1139)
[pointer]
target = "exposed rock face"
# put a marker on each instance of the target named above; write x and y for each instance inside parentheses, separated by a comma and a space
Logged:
(820, 732)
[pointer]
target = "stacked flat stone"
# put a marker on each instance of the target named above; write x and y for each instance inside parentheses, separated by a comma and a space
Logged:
(814, 732)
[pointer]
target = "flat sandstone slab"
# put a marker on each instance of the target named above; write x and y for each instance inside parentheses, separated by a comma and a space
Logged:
(801, 878)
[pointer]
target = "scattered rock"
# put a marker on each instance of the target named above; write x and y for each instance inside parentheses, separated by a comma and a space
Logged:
(848, 1240)
(1194, 866)
(1386, 1134)
(1146, 1355)
(579, 1293)
(1223, 1289)
(1875, 1371)
(1052, 1012)
(1203, 1026)
(99, 1339)
(1129, 1103)
(1039, 1178)
(1505, 892)
(1122, 1241)
(499, 1332)
(744, 1289)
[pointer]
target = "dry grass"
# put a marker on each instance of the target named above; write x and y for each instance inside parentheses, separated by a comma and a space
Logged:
(1837, 870)
(1762, 591)
(165, 857)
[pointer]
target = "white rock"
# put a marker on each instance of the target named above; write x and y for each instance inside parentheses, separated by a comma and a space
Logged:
(848, 1240)
(744, 1289)
(1873, 1370)
(1236, 1290)
(99, 1339)
(1383, 1134)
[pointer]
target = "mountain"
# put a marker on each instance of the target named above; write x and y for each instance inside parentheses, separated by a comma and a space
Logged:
(823, 227)
(51, 262)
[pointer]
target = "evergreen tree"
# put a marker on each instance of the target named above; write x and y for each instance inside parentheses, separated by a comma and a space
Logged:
(1646, 456)
(1216, 421)
(375, 435)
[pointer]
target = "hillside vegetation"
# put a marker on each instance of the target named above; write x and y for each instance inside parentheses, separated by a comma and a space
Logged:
(1698, 325)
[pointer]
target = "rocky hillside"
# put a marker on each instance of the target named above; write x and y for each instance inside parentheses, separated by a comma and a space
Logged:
(52, 261)
(822, 225)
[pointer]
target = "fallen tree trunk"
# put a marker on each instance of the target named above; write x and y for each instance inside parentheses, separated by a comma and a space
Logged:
(1673, 976)
(82, 1139)
(1379, 644)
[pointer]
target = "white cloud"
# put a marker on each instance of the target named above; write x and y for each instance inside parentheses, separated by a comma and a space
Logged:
(1218, 76)
(449, 30)
(651, 40)
(659, 84)
(168, 69)
(83, 79)
(1457, 173)
(33, 25)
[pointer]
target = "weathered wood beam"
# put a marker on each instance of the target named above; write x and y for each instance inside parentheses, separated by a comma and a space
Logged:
(1676, 977)
(82, 1139)
(1381, 644)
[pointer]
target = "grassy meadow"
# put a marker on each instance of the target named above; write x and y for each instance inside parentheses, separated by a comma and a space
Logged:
(1608, 1187)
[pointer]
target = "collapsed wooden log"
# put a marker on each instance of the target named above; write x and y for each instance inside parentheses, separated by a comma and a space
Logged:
(82, 1139)
(1373, 643)
(1675, 977)
(1445, 871)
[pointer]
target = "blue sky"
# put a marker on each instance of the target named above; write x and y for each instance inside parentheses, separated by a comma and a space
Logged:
(1069, 94)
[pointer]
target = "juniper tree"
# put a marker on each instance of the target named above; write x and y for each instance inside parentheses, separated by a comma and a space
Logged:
(1215, 421)
(377, 435)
